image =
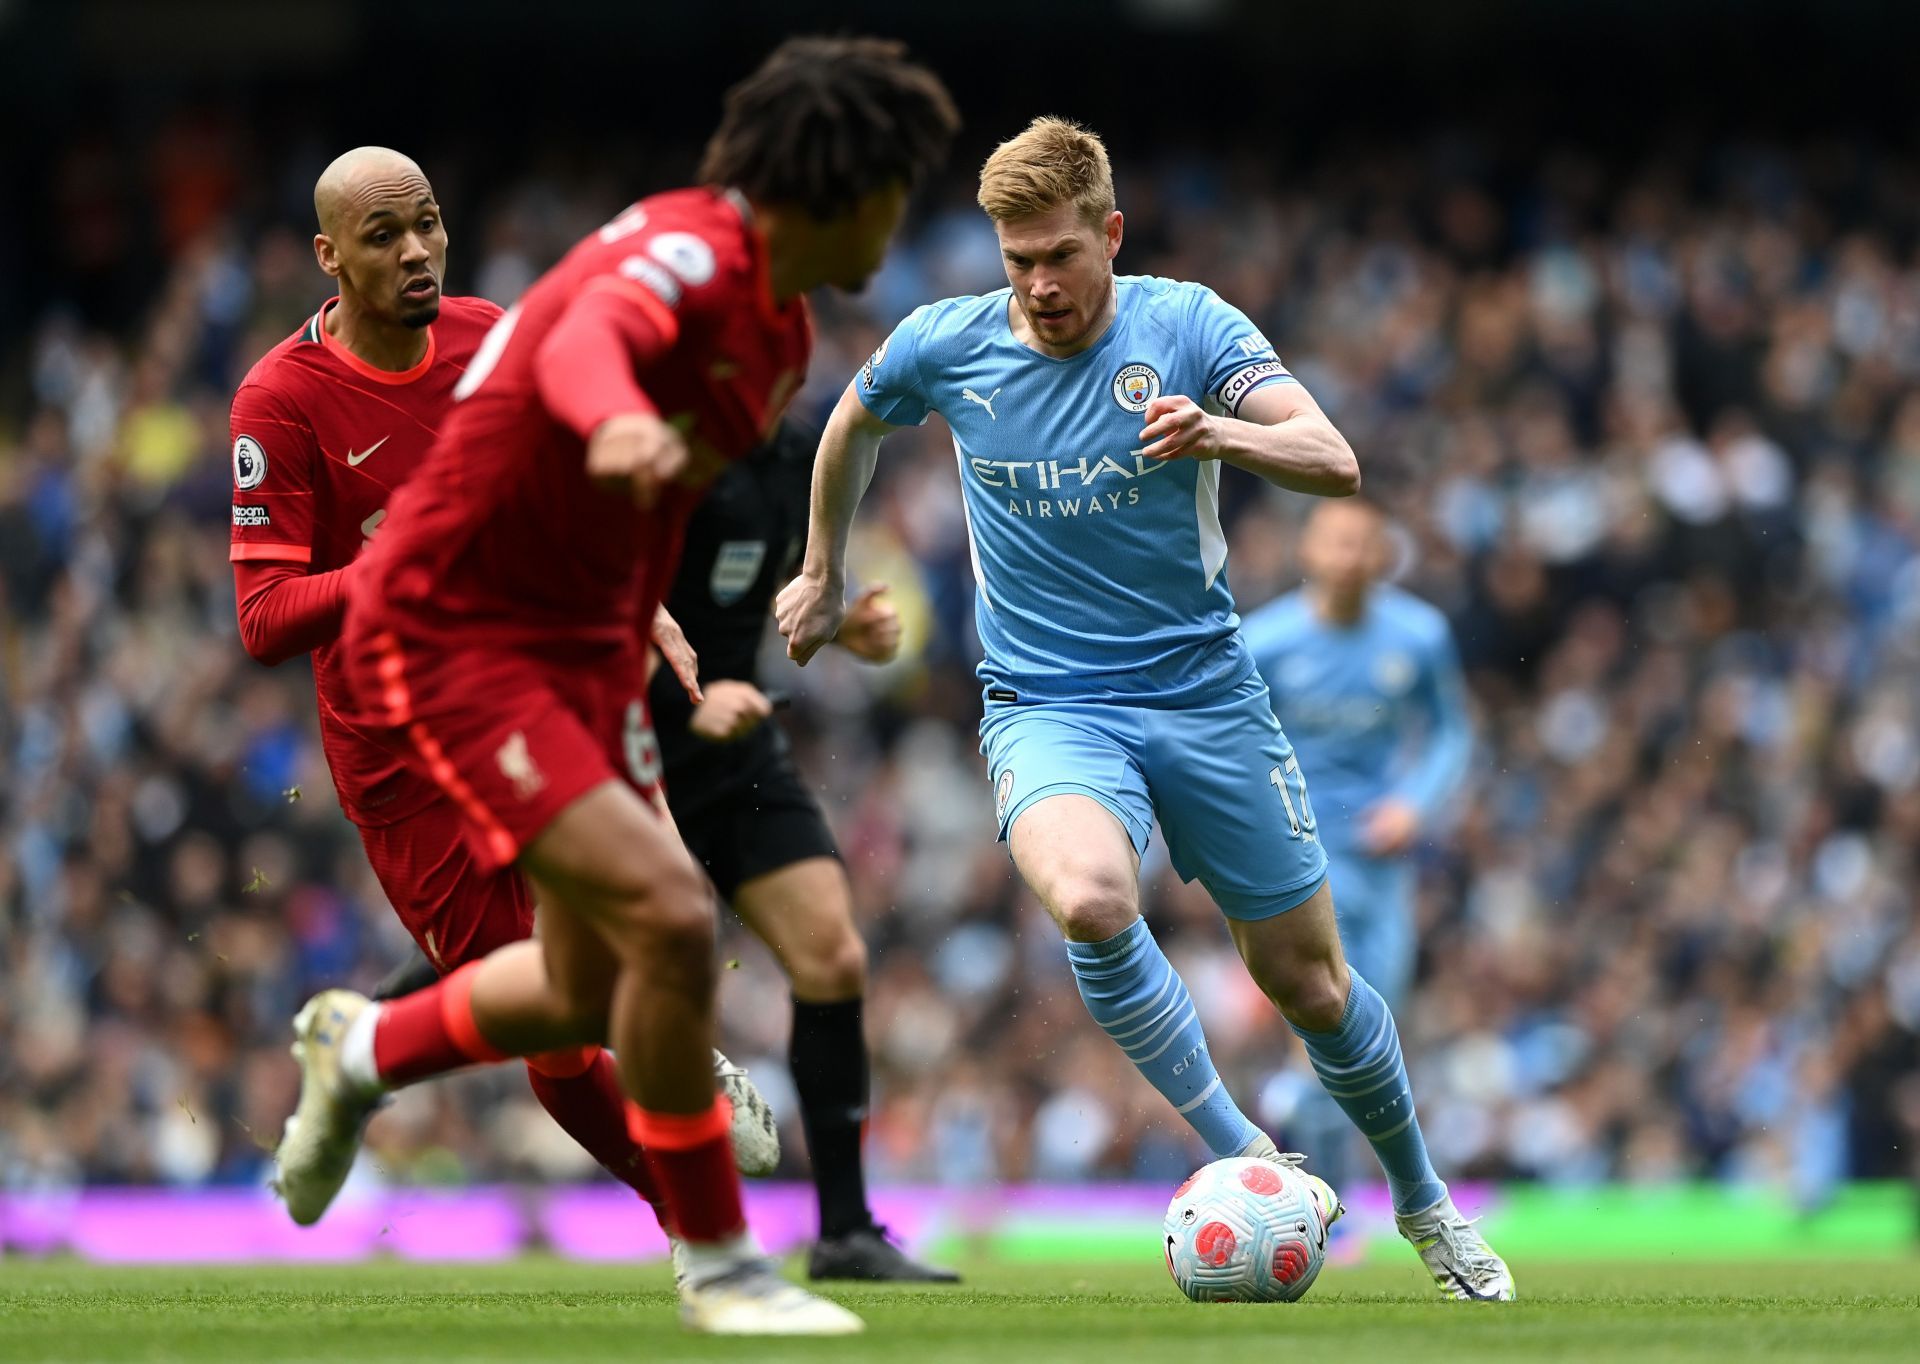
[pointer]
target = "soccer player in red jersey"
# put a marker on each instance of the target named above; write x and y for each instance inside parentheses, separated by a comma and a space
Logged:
(494, 632)
(325, 427)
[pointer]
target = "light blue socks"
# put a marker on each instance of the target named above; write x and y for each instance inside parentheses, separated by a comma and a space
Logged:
(1133, 992)
(1360, 1065)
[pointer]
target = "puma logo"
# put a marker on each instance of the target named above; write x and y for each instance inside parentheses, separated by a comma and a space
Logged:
(986, 402)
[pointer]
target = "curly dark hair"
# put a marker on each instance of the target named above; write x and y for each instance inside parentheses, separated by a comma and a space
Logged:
(825, 122)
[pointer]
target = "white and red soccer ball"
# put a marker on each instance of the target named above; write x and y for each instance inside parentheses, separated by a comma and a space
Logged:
(1244, 1230)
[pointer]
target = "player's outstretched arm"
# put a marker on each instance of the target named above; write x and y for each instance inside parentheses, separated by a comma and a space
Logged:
(810, 609)
(1281, 434)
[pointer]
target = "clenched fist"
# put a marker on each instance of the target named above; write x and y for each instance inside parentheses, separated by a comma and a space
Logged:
(1178, 428)
(809, 611)
(871, 629)
(636, 453)
(732, 710)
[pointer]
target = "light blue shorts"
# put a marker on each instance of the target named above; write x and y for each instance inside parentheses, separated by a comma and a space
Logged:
(1221, 777)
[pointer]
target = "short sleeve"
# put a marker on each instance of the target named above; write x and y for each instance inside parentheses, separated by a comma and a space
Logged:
(274, 458)
(889, 383)
(672, 267)
(1237, 359)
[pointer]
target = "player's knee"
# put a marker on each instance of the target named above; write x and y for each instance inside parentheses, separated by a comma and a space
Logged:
(1093, 906)
(665, 907)
(832, 969)
(679, 928)
(577, 1014)
(1312, 996)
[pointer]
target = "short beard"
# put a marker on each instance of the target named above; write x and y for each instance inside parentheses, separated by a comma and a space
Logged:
(426, 317)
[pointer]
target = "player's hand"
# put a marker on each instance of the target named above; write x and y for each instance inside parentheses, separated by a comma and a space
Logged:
(732, 710)
(636, 453)
(1389, 827)
(1177, 428)
(809, 611)
(871, 629)
(671, 641)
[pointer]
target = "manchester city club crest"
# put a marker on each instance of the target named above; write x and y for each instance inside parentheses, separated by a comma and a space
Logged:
(1135, 386)
(1394, 673)
(1002, 794)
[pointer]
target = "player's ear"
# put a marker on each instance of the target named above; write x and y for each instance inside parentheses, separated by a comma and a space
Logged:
(324, 253)
(1116, 229)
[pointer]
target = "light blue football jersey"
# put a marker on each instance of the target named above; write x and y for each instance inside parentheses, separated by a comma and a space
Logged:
(1100, 575)
(1374, 709)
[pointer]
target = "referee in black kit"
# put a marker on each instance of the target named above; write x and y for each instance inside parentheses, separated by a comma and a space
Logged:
(749, 819)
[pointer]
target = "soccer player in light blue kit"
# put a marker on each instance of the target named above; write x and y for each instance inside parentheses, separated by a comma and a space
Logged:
(1367, 681)
(1090, 414)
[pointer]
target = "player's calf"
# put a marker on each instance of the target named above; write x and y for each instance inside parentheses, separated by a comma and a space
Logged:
(1295, 959)
(1309, 994)
(1078, 858)
(1356, 1052)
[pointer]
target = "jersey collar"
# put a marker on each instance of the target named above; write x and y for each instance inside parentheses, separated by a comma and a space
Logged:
(317, 331)
(770, 310)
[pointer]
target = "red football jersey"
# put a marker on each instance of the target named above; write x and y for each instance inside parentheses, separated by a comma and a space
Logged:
(503, 537)
(321, 439)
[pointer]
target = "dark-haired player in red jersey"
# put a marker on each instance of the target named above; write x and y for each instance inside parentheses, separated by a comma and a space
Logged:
(325, 428)
(494, 632)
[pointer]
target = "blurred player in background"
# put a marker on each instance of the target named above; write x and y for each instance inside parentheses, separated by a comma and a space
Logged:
(749, 820)
(496, 632)
(1118, 688)
(325, 427)
(1367, 681)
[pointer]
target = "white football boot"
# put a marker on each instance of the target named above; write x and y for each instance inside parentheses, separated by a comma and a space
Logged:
(1457, 1255)
(755, 1134)
(749, 1298)
(323, 1136)
(1328, 1202)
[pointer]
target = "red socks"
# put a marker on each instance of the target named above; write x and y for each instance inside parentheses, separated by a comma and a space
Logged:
(431, 1032)
(680, 1163)
(692, 1161)
(585, 1099)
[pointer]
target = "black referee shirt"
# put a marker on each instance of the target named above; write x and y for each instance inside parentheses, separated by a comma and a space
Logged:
(743, 543)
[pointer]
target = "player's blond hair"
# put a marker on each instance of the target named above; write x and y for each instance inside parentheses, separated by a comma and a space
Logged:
(1052, 162)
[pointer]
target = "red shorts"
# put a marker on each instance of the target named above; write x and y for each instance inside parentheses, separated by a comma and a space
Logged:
(511, 736)
(457, 908)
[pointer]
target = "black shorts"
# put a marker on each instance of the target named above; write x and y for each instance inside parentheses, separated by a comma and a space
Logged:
(744, 811)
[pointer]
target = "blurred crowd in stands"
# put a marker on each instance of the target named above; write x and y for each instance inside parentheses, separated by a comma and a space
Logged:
(1649, 434)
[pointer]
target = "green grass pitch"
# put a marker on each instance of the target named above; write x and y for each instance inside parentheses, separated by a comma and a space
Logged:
(542, 1309)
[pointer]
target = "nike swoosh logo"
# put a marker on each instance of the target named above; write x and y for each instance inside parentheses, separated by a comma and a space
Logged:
(357, 460)
(1467, 1288)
